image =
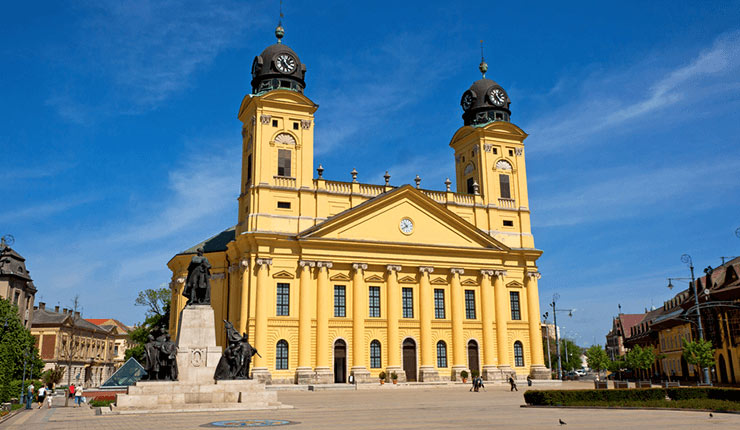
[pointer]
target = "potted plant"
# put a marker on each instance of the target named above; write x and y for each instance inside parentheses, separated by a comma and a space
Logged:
(474, 373)
(381, 376)
(394, 377)
(464, 376)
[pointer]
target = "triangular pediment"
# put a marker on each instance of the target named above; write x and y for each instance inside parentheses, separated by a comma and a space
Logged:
(407, 280)
(439, 281)
(339, 277)
(514, 284)
(374, 278)
(283, 275)
(380, 220)
(469, 283)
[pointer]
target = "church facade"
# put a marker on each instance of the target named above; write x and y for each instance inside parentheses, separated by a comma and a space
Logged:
(331, 279)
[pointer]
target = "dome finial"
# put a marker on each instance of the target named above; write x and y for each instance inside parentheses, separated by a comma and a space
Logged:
(483, 67)
(280, 31)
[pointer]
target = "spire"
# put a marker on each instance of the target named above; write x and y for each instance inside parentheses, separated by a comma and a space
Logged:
(483, 67)
(280, 31)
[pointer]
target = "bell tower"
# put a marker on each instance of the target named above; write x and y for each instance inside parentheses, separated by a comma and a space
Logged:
(277, 135)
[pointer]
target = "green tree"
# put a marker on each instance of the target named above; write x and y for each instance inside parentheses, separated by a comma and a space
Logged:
(597, 359)
(16, 344)
(157, 314)
(639, 358)
(570, 355)
(699, 353)
(53, 376)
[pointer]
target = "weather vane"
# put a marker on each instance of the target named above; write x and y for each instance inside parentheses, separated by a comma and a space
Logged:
(483, 66)
(280, 31)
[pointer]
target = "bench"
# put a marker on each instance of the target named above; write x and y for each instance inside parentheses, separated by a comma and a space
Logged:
(600, 385)
(643, 384)
(670, 384)
(621, 384)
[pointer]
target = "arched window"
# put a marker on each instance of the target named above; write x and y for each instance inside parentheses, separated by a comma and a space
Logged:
(518, 354)
(441, 354)
(281, 355)
(375, 355)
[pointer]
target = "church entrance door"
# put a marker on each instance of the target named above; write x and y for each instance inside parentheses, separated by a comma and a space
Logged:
(473, 363)
(340, 362)
(409, 359)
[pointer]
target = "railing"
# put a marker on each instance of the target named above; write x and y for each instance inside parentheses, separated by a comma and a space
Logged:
(339, 187)
(284, 181)
(467, 199)
(437, 196)
(507, 203)
(371, 190)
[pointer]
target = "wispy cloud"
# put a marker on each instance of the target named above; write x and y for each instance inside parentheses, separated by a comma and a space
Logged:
(603, 101)
(42, 210)
(38, 172)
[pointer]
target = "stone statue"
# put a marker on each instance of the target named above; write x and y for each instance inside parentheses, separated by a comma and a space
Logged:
(198, 283)
(160, 357)
(237, 356)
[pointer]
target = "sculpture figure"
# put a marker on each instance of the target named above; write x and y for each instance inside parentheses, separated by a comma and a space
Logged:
(198, 283)
(160, 357)
(237, 356)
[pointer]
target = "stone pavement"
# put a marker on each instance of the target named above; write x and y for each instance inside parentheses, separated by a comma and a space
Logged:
(391, 407)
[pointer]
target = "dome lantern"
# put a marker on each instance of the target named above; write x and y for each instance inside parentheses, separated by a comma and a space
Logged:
(278, 67)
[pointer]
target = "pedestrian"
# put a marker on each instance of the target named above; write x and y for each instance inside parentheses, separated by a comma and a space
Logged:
(42, 395)
(512, 382)
(49, 394)
(29, 395)
(78, 396)
(72, 391)
(529, 380)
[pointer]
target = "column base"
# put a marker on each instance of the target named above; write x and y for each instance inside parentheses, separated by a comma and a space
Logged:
(428, 374)
(262, 375)
(401, 374)
(539, 371)
(457, 370)
(492, 373)
(507, 371)
(361, 374)
(304, 375)
(323, 375)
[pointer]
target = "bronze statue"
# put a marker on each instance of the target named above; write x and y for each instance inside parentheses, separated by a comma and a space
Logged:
(198, 283)
(237, 356)
(160, 357)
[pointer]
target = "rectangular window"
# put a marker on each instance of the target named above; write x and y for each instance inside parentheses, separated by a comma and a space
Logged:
(340, 300)
(470, 304)
(249, 168)
(284, 205)
(283, 299)
(283, 162)
(469, 185)
(439, 305)
(508, 223)
(295, 126)
(515, 313)
(505, 188)
(274, 123)
(407, 296)
(374, 302)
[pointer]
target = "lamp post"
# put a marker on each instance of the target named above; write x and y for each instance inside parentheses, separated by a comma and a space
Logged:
(555, 311)
(686, 258)
(547, 339)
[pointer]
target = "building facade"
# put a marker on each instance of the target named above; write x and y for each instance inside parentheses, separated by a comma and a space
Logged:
(621, 327)
(16, 285)
(120, 333)
(331, 279)
(83, 349)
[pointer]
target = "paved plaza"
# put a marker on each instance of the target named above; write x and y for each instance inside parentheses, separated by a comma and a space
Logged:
(390, 407)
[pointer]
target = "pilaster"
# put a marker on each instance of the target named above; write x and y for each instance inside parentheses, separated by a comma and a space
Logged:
(244, 297)
(427, 370)
(457, 308)
(260, 371)
(304, 372)
(502, 318)
(393, 305)
(324, 374)
(487, 314)
(359, 311)
(537, 360)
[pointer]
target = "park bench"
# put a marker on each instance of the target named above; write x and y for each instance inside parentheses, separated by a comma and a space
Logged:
(669, 384)
(600, 385)
(621, 384)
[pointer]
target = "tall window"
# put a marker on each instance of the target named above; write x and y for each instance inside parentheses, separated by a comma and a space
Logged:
(441, 354)
(518, 354)
(283, 299)
(375, 354)
(515, 312)
(340, 300)
(407, 296)
(469, 185)
(439, 303)
(281, 355)
(249, 168)
(283, 162)
(470, 304)
(374, 302)
(505, 187)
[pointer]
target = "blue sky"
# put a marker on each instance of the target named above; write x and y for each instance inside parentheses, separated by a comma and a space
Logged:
(121, 146)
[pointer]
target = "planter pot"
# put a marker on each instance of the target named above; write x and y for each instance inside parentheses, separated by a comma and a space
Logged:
(395, 381)
(465, 380)
(382, 382)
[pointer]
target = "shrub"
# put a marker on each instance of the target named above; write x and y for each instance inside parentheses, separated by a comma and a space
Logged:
(394, 375)
(97, 403)
(464, 374)
(381, 376)
(715, 393)
(568, 397)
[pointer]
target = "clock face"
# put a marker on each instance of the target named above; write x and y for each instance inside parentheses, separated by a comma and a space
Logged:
(406, 226)
(497, 96)
(285, 63)
(467, 101)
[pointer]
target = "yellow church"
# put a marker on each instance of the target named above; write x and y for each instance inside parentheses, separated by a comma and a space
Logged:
(333, 280)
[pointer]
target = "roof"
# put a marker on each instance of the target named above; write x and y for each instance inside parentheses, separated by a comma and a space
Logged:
(12, 263)
(213, 244)
(108, 322)
(47, 317)
(628, 321)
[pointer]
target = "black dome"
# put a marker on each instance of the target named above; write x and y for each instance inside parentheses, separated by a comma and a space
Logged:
(278, 66)
(485, 101)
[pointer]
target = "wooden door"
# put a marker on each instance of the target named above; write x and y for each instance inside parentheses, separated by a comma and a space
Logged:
(340, 362)
(409, 359)
(473, 363)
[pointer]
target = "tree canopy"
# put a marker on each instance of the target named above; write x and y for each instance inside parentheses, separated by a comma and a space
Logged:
(639, 358)
(158, 314)
(699, 353)
(15, 343)
(597, 358)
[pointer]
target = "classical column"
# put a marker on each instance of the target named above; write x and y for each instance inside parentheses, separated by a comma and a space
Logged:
(427, 369)
(324, 374)
(502, 316)
(487, 313)
(304, 372)
(537, 367)
(244, 298)
(260, 371)
(393, 346)
(359, 310)
(457, 311)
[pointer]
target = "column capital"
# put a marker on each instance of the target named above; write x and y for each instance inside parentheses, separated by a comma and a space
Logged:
(306, 264)
(487, 272)
(498, 273)
(534, 275)
(324, 264)
(359, 266)
(426, 269)
(263, 261)
(393, 268)
(180, 280)
(244, 263)
(457, 271)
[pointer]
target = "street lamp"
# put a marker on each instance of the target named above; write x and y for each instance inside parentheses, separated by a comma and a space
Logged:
(555, 311)
(547, 339)
(686, 258)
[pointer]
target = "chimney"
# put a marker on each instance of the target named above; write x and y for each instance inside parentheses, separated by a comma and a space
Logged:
(77, 314)
(56, 309)
(42, 305)
(65, 311)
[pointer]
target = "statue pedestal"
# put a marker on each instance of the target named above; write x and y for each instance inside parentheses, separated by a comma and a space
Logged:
(197, 353)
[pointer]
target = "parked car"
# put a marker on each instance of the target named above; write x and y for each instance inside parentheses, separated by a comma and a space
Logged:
(571, 376)
(581, 372)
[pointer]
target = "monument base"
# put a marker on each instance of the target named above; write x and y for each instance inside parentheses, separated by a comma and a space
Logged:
(261, 374)
(428, 374)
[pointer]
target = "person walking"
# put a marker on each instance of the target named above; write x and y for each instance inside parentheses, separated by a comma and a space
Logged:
(49, 394)
(29, 395)
(512, 382)
(42, 395)
(71, 391)
(78, 396)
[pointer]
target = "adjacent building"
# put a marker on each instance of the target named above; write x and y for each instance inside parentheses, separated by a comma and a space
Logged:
(331, 279)
(120, 333)
(621, 326)
(16, 284)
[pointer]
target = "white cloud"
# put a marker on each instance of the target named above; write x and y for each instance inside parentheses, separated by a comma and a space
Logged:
(42, 210)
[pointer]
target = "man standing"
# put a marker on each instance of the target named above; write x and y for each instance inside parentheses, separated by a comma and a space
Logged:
(198, 283)
(512, 382)
(42, 394)
(29, 395)
(78, 396)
